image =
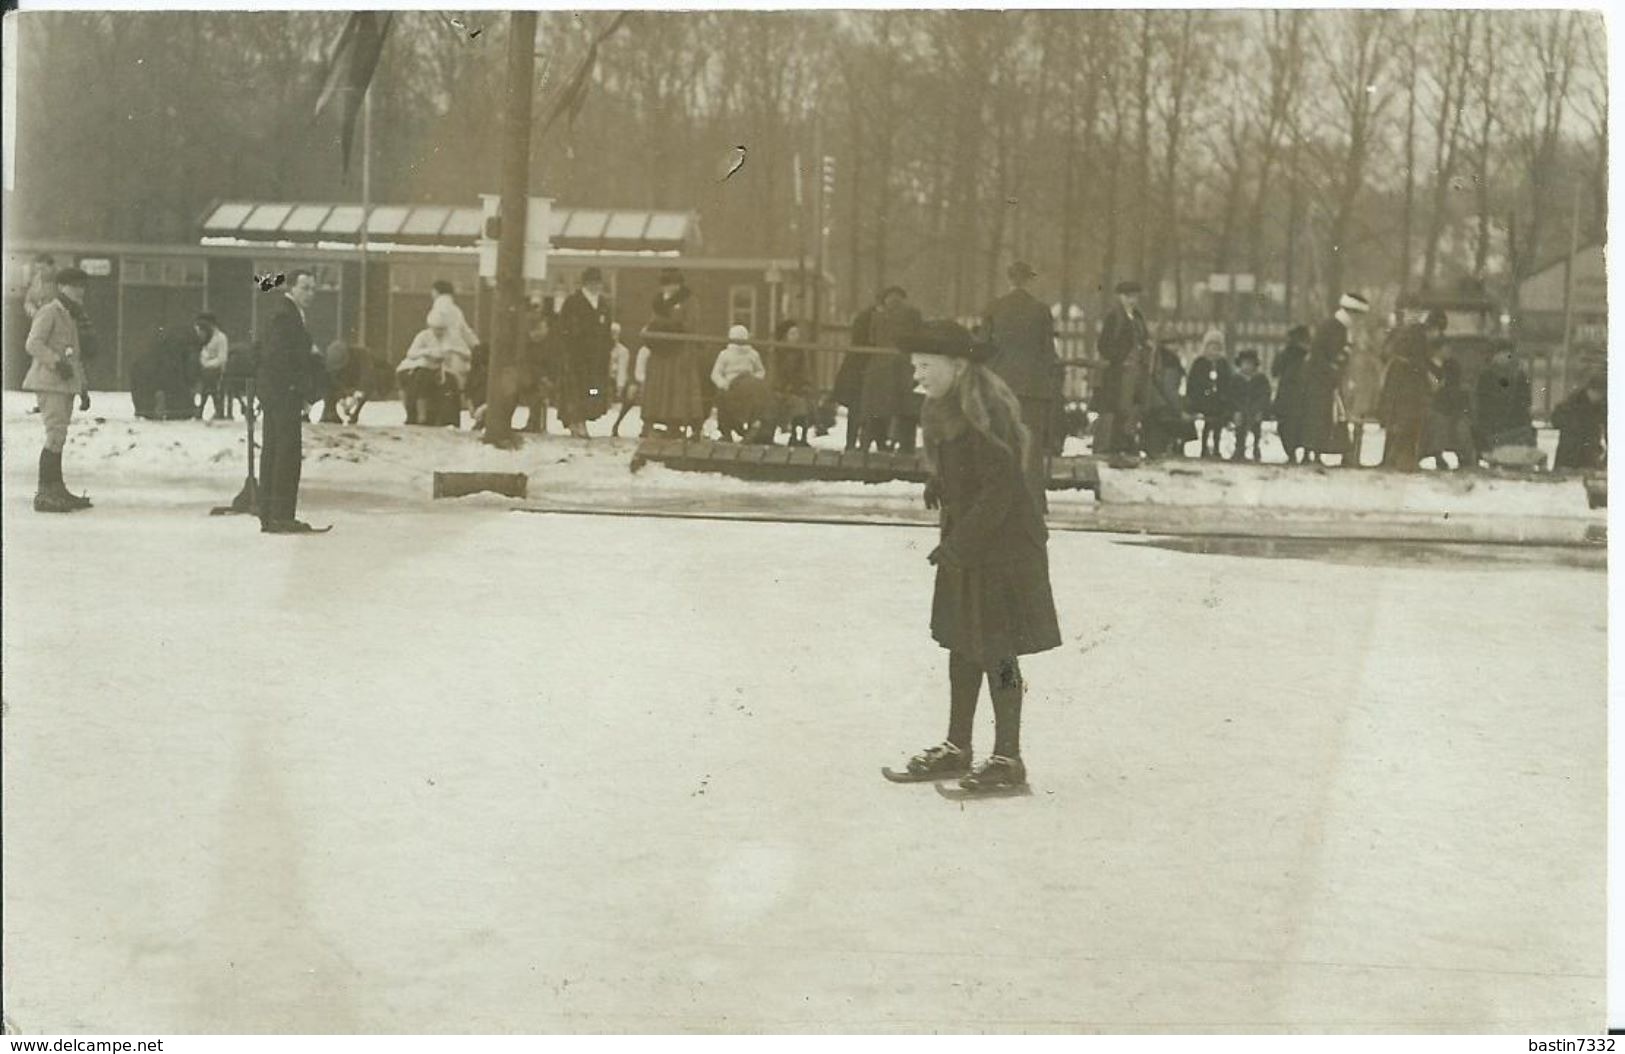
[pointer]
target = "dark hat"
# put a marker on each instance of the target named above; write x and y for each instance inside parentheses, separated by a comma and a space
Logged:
(1021, 269)
(889, 290)
(1299, 332)
(944, 336)
(72, 276)
(671, 276)
(208, 317)
(1126, 287)
(593, 274)
(1247, 355)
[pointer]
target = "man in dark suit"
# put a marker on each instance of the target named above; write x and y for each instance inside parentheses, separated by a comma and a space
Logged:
(1122, 338)
(287, 374)
(1022, 334)
(585, 343)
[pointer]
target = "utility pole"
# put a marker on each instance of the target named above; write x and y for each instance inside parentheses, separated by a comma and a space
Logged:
(800, 215)
(509, 320)
(818, 229)
(1568, 288)
(366, 205)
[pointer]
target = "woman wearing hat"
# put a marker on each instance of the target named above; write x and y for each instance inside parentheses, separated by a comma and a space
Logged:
(1325, 422)
(992, 601)
(671, 392)
(586, 341)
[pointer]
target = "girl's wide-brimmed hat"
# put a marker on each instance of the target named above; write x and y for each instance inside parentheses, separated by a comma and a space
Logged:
(947, 338)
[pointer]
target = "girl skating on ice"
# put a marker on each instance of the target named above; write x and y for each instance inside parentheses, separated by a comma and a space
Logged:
(992, 601)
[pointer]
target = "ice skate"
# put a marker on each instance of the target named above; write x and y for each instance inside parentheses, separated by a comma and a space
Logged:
(55, 501)
(941, 762)
(998, 776)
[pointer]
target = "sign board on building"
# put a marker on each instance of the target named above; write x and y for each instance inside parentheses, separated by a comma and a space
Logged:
(538, 221)
(96, 266)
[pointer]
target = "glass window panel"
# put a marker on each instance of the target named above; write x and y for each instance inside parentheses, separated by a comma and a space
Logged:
(306, 218)
(464, 223)
(267, 217)
(425, 221)
(586, 223)
(345, 219)
(667, 227)
(228, 217)
(626, 226)
(386, 219)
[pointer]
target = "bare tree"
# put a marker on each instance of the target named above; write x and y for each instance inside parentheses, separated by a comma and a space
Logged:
(1407, 224)
(1488, 96)
(1354, 52)
(1548, 47)
(1282, 33)
(1453, 36)
(1185, 70)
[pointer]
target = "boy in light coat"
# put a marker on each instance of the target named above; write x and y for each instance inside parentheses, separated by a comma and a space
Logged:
(56, 377)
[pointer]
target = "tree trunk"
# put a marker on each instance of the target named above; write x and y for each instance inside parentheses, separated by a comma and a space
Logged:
(1481, 177)
(1142, 169)
(1407, 221)
(1447, 133)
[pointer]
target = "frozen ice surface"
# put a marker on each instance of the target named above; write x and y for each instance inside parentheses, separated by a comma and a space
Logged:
(453, 768)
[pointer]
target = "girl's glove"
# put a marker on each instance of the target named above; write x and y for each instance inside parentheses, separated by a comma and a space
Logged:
(933, 495)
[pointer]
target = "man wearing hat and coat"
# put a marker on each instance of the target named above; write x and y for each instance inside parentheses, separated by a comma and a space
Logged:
(288, 377)
(1022, 334)
(586, 341)
(60, 339)
(1324, 421)
(1122, 337)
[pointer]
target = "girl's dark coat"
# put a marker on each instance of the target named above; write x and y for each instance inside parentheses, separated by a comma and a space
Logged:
(992, 598)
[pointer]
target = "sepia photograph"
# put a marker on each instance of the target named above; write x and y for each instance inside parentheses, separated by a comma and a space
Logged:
(807, 521)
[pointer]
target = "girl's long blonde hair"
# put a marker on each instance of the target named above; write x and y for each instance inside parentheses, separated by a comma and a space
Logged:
(981, 400)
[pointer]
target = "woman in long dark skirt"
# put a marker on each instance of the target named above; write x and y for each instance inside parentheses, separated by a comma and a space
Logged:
(671, 394)
(992, 601)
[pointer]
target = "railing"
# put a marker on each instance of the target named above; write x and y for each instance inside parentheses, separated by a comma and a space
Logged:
(829, 352)
(1074, 343)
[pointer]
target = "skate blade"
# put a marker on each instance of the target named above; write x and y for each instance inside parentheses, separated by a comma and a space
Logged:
(1019, 790)
(908, 777)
